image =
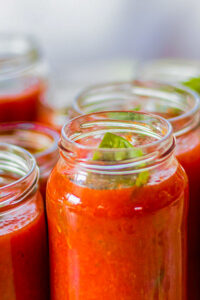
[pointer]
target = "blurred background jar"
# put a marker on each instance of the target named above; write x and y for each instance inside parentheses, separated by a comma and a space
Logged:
(171, 70)
(39, 140)
(23, 77)
(23, 236)
(180, 106)
(55, 104)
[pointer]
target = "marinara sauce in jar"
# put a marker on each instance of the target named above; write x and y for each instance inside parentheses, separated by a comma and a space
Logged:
(180, 106)
(39, 140)
(23, 78)
(117, 207)
(23, 236)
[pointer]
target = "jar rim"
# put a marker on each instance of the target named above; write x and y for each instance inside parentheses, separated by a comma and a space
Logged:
(78, 145)
(29, 179)
(40, 129)
(35, 127)
(154, 129)
(144, 84)
(18, 53)
(193, 110)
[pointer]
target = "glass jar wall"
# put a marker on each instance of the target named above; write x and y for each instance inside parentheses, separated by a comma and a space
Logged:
(117, 217)
(23, 77)
(23, 240)
(40, 140)
(181, 107)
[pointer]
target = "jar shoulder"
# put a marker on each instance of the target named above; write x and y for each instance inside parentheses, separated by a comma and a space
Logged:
(164, 186)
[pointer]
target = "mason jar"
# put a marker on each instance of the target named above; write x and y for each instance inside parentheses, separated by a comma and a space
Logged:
(181, 107)
(23, 77)
(40, 140)
(23, 236)
(171, 70)
(116, 207)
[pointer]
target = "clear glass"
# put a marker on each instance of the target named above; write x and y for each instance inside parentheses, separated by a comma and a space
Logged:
(23, 77)
(170, 70)
(181, 107)
(23, 240)
(113, 212)
(175, 102)
(40, 140)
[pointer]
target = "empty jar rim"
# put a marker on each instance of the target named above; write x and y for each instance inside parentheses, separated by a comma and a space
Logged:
(151, 96)
(19, 175)
(39, 139)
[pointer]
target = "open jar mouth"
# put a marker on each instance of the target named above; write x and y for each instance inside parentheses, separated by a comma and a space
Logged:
(177, 103)
(150, 135)
(39, 140)
(18, 53)
(170, 70)
(18, 175)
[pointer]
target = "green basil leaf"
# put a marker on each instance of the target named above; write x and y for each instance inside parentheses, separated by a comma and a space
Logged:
(137, 108)
(142, 178)
(193, 83)
(111, 141)
(125, 116)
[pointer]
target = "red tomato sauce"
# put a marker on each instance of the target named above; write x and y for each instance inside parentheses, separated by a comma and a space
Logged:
(22, 105)
(125, 243)
(23, 255)
(188, 154)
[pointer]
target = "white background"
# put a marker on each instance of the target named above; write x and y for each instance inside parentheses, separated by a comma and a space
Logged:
(74, 31)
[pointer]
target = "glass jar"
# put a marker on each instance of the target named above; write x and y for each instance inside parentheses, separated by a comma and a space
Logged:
(23, 77)
(181, 107)
(23, 240)
(40, 140)
(170, 70)
(117, 217)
